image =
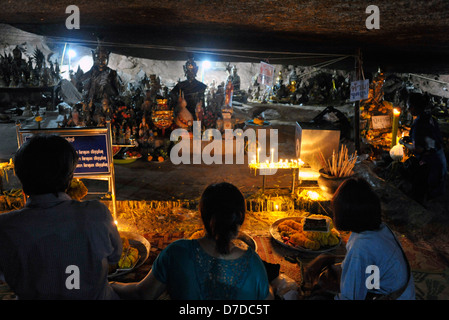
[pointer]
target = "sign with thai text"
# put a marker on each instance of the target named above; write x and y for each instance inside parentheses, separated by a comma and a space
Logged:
(359, 90)
(92, 149)
(92, 154)
(380, 122)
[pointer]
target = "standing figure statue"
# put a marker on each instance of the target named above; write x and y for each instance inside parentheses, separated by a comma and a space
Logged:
(100, 81)
(19, 67)
(239, 95)
(233, 77)
(190, 90)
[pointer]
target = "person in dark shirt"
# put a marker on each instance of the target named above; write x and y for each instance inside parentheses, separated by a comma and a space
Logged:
(426, 145)
(56, 247)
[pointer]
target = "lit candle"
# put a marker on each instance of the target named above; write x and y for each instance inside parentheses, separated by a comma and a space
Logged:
(394, 134)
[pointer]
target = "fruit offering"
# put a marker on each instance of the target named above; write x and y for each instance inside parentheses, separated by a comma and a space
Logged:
(129, 257)
(292, 233)
(132, 154)
(258, 121)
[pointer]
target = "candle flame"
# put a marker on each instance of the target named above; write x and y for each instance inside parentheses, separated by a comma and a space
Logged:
(282, 164)
(396, 112)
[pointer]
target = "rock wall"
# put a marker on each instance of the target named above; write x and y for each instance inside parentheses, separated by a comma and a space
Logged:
(132, 69)
(437, 85)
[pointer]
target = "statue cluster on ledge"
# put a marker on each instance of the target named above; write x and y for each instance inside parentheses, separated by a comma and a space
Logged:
(301, 86)
(38, 71)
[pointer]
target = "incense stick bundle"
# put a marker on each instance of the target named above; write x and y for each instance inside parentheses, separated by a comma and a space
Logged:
(339, 164)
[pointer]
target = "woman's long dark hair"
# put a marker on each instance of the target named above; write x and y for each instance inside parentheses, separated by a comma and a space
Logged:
(222, 208)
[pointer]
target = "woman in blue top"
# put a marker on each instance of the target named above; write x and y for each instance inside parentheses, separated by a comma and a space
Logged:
(210, 268)
(374, 265)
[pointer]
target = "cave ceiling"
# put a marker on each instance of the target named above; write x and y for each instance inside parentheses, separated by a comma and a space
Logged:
(412, 35)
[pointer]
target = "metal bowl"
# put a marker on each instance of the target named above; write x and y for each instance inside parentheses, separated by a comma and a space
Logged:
(141, 244)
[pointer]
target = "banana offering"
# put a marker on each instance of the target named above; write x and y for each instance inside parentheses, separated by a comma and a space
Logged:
(129, 257)
(77, 190)
(292, 233)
